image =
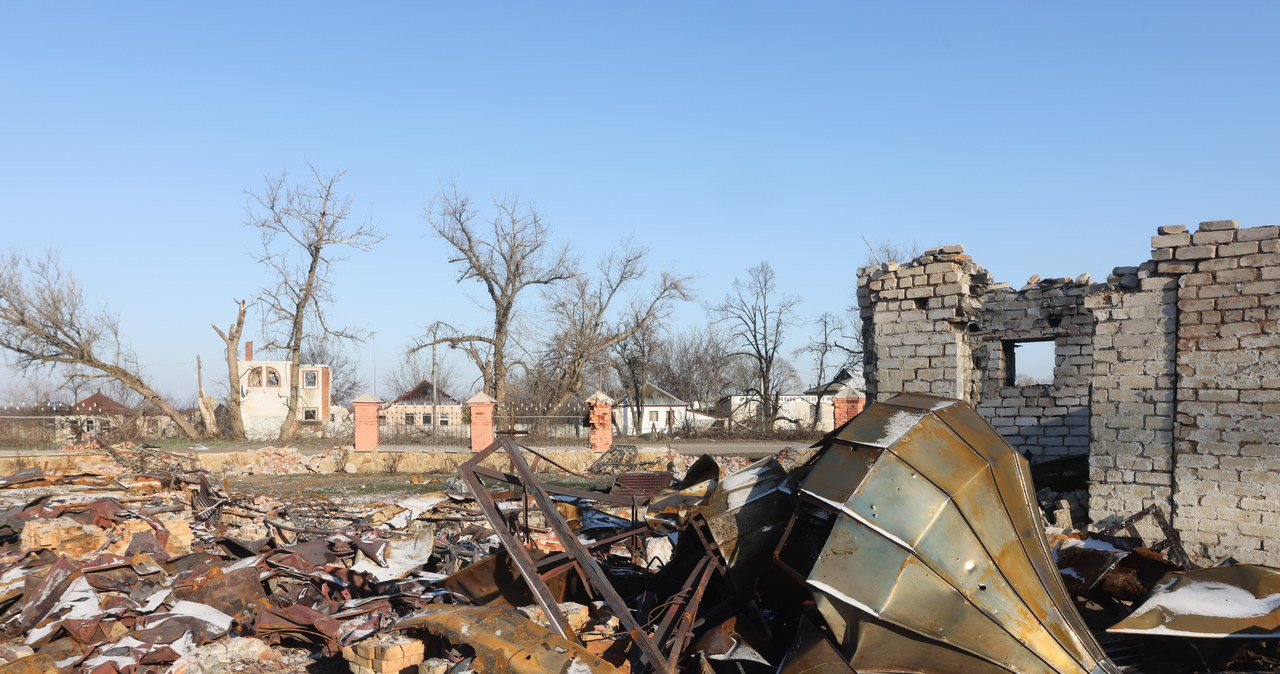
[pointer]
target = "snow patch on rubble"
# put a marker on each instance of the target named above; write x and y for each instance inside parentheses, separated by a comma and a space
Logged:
(1211, 600)
(897, 426)
(80, 603)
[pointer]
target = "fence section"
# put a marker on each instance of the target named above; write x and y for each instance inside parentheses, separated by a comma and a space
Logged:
(531, 422)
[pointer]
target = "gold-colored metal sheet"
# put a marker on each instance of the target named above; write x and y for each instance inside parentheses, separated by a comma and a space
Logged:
(505, 642)
(1241, 601)
(1015, 492)
(937, 536)
(880, 425)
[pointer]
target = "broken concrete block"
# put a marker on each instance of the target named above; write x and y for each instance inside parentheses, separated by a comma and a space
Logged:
(382, 654)
(228, 655)
(180, 536)
(575, 614)
(434, 666)
(64, 535)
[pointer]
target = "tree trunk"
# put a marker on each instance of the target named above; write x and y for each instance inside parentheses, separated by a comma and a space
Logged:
(499, 386)
(232, 339)
(289, 429)
(137, 385)
(205, 403)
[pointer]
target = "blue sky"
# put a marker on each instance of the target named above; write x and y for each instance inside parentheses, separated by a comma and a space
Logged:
(1049, 138)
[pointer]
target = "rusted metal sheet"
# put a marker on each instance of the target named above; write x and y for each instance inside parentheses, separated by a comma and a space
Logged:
(506, 642)
(937, 537)
(642, 483)
(1240, 601)
(746, 515)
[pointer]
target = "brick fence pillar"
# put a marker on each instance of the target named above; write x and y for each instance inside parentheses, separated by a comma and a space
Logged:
(847, 404)
(600, 418)
(366, 425)
(483, 409)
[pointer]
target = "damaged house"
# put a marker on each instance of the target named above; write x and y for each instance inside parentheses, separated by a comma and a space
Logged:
(264, 396)
(1166, 377)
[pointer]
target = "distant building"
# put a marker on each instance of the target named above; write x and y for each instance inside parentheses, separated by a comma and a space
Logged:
(421, 407)
(264, 397)
(660, 412)
(94, 414)
(99, 413)
(825, 395)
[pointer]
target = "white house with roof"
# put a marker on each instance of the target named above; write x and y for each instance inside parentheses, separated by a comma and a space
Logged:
(660, 412)
(264, 397)
(811, 408)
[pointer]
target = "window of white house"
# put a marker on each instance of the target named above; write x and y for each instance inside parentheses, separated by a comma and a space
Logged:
(255, 377)
(311, 379)
(310, 413)
(653, 416)
(273, 377)
(410, 419)
(444, 419)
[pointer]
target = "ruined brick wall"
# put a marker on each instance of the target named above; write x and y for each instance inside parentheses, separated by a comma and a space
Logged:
(1226, 458)
(1168, 374)
(937, 325)
(1044, 420)
(1134, 346)
(914, 319)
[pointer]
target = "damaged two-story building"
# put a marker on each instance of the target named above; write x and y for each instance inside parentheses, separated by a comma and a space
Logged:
(1166, 375)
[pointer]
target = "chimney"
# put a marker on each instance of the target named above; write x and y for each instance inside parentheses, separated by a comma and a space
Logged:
(248, 350)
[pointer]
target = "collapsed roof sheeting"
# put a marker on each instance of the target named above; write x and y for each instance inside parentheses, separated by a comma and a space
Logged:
(936, 543)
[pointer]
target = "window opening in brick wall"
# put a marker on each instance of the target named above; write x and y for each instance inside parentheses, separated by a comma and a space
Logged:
(310, 414)
(311, 379)
(409, 419)
(1029, 362)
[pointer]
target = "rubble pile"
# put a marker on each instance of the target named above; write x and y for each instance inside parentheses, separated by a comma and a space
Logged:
(289, 461)
(911, 541)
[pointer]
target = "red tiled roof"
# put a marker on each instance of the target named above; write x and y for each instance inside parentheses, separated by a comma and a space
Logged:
(99, 404)
(424, 393)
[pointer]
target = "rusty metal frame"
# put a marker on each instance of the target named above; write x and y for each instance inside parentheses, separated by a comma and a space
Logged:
(471, 470)
(1172, 542)
(519, 554)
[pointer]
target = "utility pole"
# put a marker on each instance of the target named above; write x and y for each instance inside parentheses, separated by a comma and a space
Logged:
(435, 392)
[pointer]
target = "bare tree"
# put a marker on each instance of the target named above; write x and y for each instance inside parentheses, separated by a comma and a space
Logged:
(506, 254)
(301, 225)
(757, 318)
(44, 320)
(697, 364)
(231, 338)
(345, 382)
(585, 325)
(31, 389)
(833, 345)
(890, 251)
(414, 367)
(634, 359)
(836, 344)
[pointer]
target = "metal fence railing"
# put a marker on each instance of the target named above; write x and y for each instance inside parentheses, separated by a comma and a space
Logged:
(532, 424)
(60, 426)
